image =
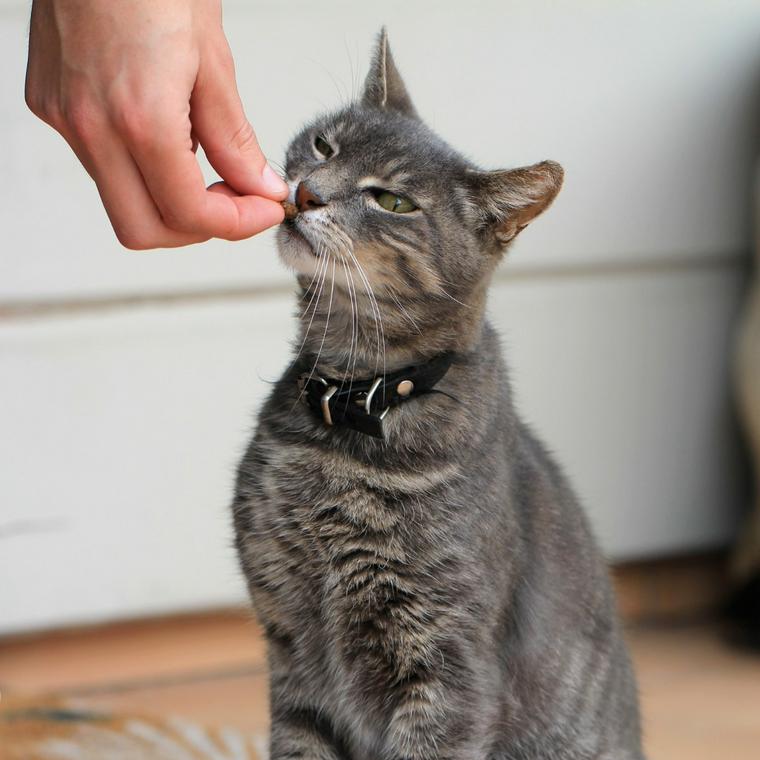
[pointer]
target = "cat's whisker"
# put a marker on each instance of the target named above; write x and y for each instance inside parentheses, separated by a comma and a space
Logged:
(344, 246)
(350, 366)
(455, 300)
(315, 299)
(353, 325)
(376, 311)
(312, 289)
(277, 165)
(441, 282)
(325, 256)
(317, 273)
(327, 323)
(340, 90)
(342, 243)
(354, 73)
(313, 278)
(379, 329)
(356, 305)
(402, 309)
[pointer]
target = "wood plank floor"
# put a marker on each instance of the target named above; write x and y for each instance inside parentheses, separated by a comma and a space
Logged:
(701, 699)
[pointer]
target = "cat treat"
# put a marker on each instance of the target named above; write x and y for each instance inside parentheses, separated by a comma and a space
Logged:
(291, 210)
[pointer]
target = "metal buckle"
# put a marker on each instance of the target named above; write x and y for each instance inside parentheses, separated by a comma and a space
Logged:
(368, 399)
(366, 402)
(324, 402)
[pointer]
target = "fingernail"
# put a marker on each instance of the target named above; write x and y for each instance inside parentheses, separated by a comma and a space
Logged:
(273, 182)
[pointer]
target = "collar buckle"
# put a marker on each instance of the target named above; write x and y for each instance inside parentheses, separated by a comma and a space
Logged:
(376, 383)
(366, 419)
(324, 403)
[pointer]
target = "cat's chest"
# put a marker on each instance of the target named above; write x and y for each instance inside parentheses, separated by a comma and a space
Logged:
(361, 551)
(357, 539)
(362, 544)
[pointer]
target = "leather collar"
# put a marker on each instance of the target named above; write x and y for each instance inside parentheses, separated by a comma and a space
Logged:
(362, 405)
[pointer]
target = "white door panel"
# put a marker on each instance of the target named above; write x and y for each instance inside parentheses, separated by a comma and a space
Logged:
(627, 380)
(119, 450)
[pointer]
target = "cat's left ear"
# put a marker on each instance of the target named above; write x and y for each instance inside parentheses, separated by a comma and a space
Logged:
(509, 200)
(384, 87)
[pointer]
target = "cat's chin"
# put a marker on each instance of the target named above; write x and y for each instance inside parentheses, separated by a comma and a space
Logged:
(296, 251)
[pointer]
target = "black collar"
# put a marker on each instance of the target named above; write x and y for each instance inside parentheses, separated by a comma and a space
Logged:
(362, 404)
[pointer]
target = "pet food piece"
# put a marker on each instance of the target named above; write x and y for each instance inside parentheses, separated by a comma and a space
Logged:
(291, 210)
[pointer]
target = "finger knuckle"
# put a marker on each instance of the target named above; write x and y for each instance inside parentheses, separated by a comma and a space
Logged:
(43, 108)
(230, 228)
(244, 140)
(136, 239)
(133, 123)
(181, 219)
(82, 120)
(138, 124)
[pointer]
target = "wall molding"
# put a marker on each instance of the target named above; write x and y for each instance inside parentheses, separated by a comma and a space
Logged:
(22, 309)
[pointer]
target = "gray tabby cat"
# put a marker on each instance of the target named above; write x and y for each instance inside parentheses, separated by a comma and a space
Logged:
(434, 593)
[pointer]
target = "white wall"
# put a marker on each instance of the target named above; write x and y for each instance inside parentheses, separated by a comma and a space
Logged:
(121, 419)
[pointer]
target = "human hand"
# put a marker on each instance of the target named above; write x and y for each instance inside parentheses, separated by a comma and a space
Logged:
(133, 88)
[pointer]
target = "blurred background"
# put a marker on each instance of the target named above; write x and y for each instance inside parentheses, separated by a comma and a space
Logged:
(129, 381)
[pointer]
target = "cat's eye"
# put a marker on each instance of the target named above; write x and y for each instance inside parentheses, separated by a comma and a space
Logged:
(323, 147)
(395, 203)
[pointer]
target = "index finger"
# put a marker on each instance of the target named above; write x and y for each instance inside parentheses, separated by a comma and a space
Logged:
(176, 184)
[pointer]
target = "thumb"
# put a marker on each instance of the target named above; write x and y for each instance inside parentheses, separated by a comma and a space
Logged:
(225, 133)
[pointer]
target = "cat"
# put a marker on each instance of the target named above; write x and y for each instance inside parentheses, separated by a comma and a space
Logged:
(425, 578)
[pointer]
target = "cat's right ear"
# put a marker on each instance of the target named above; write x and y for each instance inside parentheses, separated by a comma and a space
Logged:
(507, 201)
(384, 87)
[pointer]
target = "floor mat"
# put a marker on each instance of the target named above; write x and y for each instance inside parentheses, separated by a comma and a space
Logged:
(51, 729)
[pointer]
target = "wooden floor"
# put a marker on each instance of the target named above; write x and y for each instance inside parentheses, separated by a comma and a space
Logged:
(701, 699)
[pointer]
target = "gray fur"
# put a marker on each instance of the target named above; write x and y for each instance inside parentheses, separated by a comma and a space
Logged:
(438, 594)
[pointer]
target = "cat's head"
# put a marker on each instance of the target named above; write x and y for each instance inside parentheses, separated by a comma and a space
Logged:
(385, 203)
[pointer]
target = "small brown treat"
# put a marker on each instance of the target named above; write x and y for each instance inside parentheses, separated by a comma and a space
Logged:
(291, 210)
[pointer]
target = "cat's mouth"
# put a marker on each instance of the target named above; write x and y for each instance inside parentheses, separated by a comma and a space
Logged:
(299, 237)
(298, 250)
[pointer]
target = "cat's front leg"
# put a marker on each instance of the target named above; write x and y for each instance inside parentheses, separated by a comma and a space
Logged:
(431, 721)
(299, 731)
(301, 734)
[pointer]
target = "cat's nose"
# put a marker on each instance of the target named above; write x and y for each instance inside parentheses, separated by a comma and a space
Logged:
(306, 198)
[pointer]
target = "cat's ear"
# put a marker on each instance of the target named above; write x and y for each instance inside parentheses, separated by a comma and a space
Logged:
(384, 87)
(509, 200)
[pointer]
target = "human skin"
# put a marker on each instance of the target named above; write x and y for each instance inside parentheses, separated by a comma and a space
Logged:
(134, 88)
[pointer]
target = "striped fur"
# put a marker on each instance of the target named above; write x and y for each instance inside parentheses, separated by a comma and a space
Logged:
(437, 594)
